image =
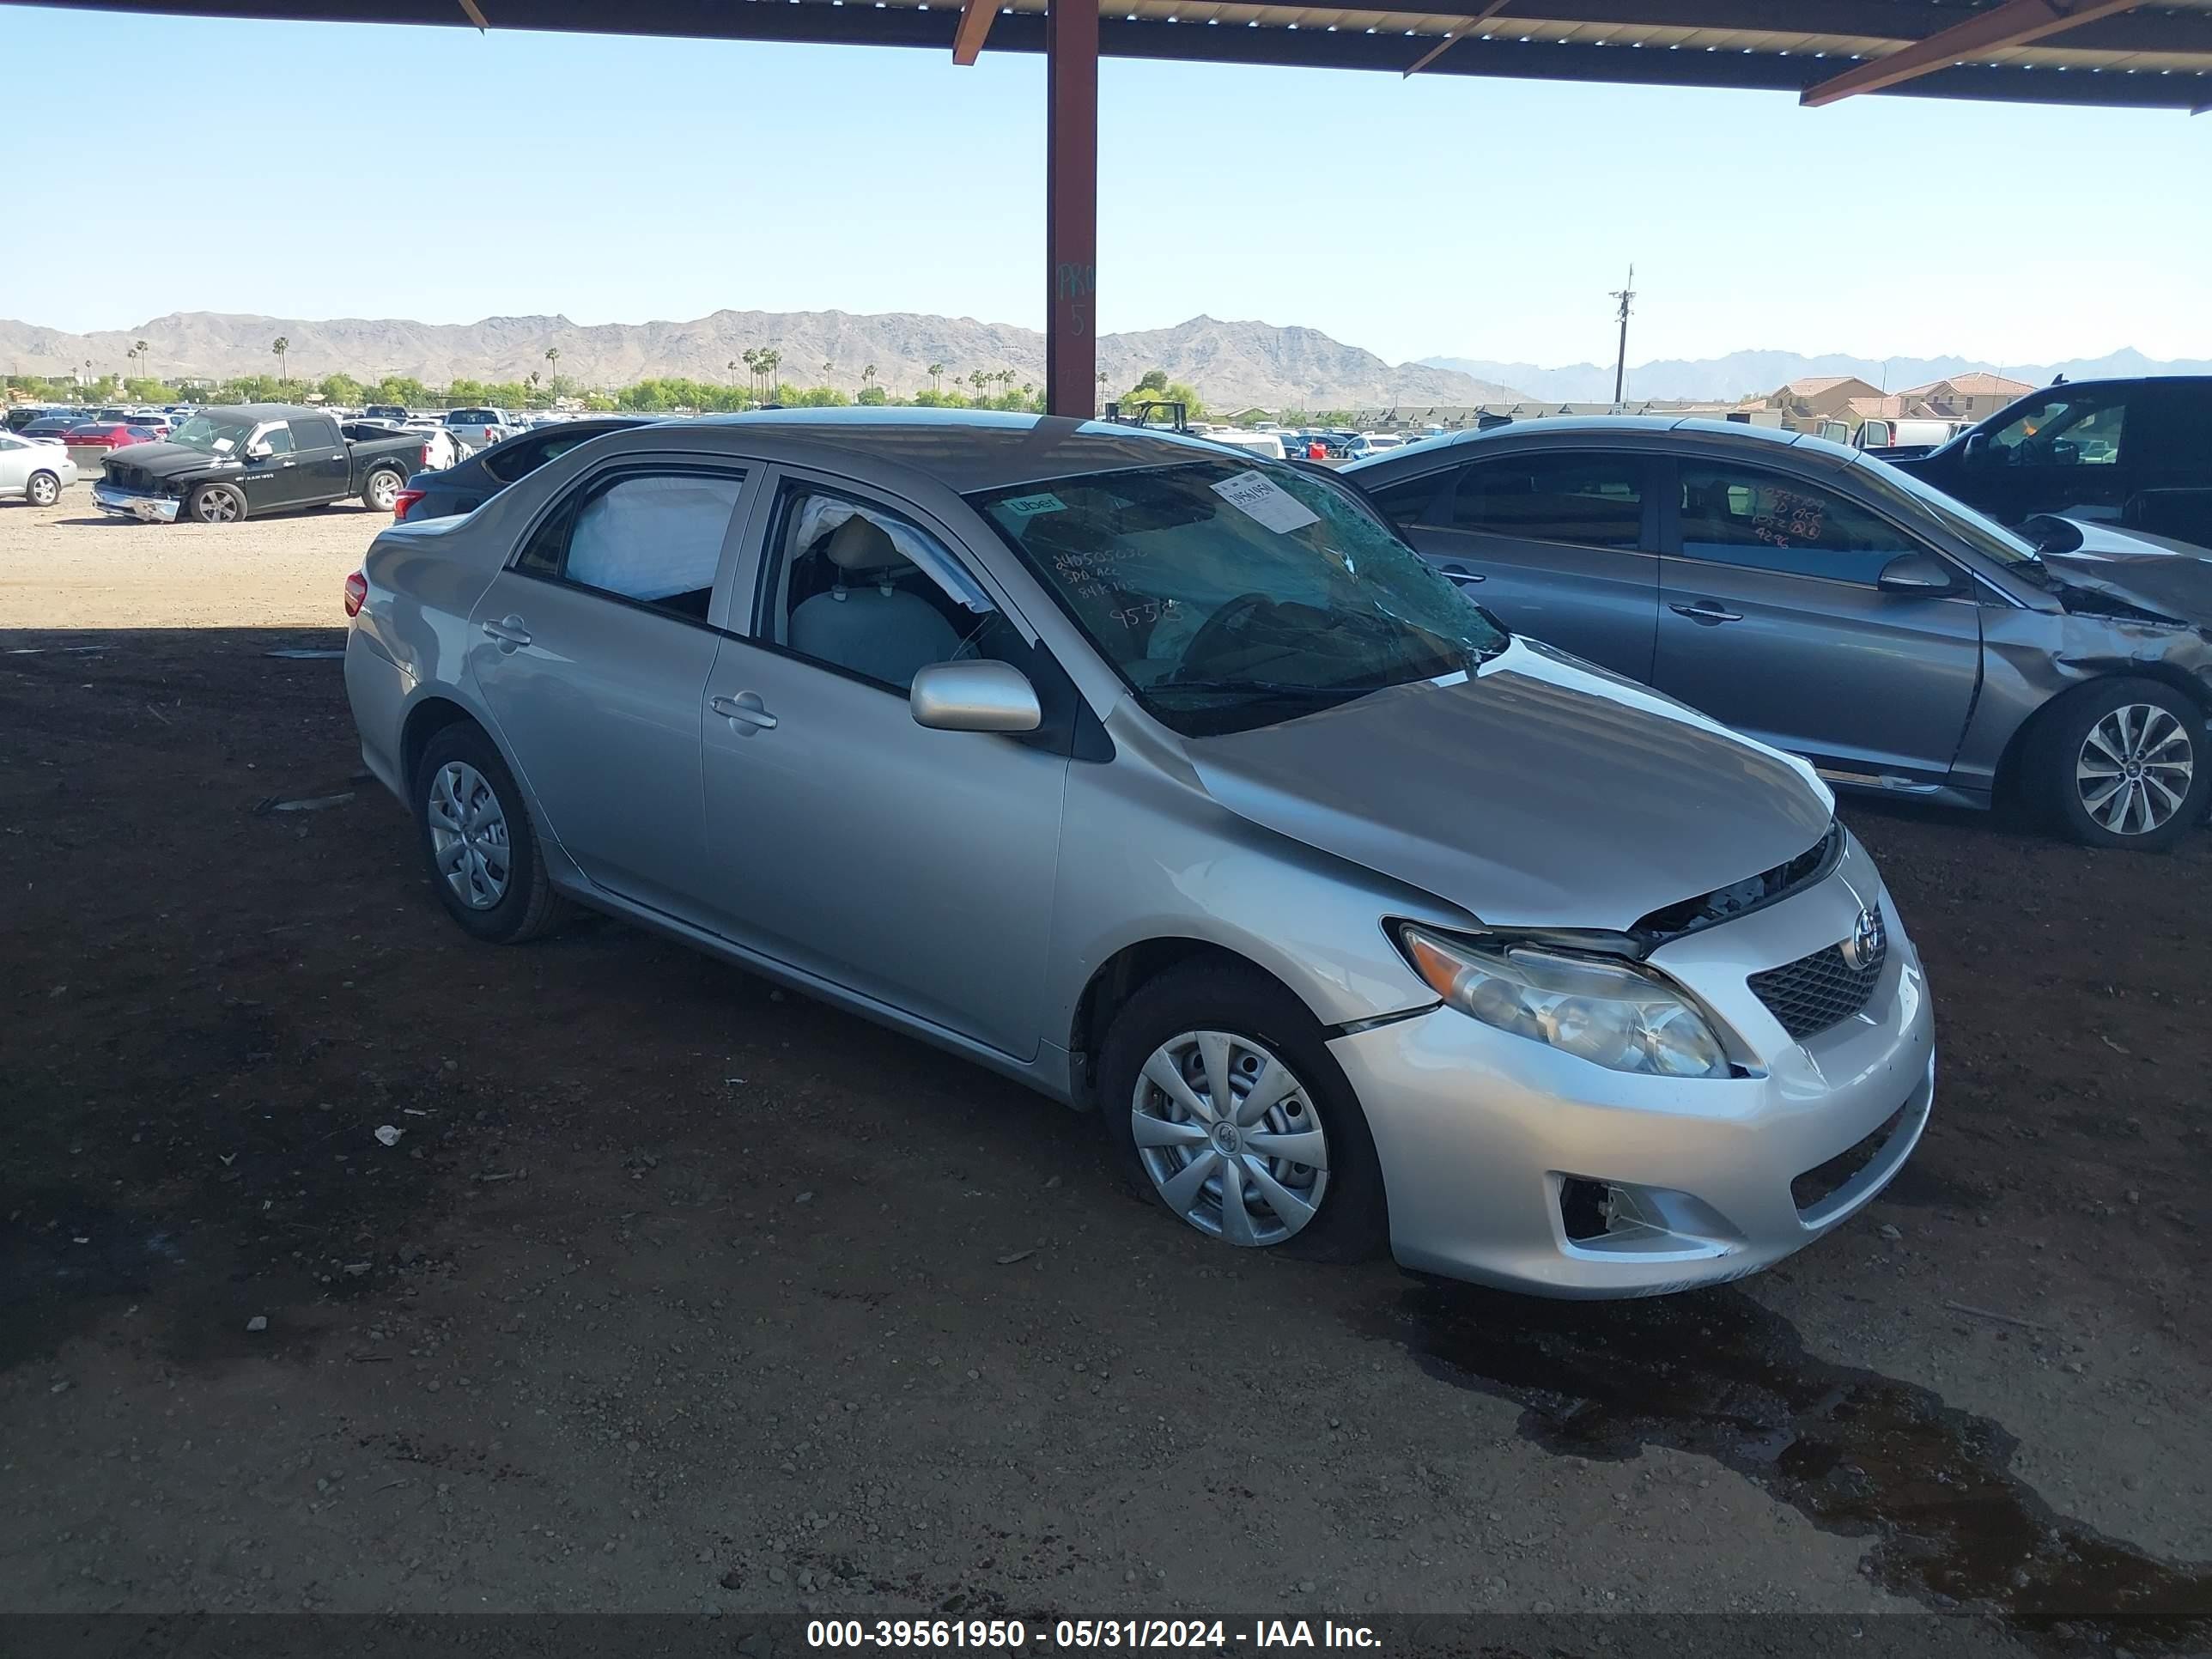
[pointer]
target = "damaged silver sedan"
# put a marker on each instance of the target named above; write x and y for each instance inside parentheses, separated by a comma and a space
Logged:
(1832, 606)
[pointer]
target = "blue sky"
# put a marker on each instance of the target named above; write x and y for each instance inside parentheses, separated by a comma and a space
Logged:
(621, 180)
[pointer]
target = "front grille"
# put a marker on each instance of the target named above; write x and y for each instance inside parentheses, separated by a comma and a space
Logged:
(1813, 992)
(1823, 1182)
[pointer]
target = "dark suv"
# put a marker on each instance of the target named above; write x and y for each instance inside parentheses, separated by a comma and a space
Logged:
(2137, 453)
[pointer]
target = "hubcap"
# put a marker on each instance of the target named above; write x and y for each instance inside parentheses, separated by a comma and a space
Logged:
(468, 835)
(216, 507)
(382, 491)
(2135, 769)
(43, 491)
(1230, 1138)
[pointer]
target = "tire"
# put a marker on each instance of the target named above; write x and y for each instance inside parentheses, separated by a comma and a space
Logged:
(216, 504)
(1184, 1009)
(504, 904)
(2121, 762)
(42, 488)
(380, 488)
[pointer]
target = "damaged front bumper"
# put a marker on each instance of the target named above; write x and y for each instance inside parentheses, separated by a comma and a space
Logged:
(131, 504)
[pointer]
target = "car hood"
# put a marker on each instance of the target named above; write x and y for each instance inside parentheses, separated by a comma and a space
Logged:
(169, 460)
(1539, 791)
(2153, 573)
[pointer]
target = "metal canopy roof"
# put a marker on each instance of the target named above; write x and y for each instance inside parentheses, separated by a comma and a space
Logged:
(2047, 52)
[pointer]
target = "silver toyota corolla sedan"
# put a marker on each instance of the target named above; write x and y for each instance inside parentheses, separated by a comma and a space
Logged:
(1174, 784)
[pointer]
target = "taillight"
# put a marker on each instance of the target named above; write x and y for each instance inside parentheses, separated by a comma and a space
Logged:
(424, 465)
(402, 501)
(356, 593)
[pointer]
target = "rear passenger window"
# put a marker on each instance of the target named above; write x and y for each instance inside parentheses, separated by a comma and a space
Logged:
(314, 434)
(1412, 500)
(653, 537)
(1592, 500)
(1742, 516)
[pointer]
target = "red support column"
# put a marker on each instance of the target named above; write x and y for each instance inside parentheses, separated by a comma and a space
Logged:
(1070, 207)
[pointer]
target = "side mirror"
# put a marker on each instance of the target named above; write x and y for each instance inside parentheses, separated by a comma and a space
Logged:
(1916, 574)
(260, 449)
(1977, 452)
(974, 696)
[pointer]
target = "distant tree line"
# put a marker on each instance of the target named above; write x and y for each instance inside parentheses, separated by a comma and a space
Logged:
(1000, 389)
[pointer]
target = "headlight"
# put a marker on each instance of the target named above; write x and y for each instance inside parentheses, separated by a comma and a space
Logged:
(1614, 1013)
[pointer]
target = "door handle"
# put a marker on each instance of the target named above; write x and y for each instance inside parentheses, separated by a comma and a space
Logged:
(1461, 573)
(509, 634)
(1704, 610)
(746, 711)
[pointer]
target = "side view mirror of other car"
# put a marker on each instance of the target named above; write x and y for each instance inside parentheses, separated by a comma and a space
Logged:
(1977, 452)
(974, 696)
(1916, 574)
(260, 449)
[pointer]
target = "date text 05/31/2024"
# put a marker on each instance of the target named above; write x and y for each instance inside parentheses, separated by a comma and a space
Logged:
(1012, 1635)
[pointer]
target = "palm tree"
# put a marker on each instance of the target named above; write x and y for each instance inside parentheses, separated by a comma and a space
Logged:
(936, 372)
(533, 383)
(1102, 388)
(979, 379)
(141, 349)
(553, 370)
(280, 345)
(771, 361)
(732, 366)
(828, 369)
(868, 377)
(1028, 392)
(750, 357)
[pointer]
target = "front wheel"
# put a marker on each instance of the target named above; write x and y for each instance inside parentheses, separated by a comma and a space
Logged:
(381, 490)
(2122, 764)
(43, 489)
(215, 504)
(1219, 1090)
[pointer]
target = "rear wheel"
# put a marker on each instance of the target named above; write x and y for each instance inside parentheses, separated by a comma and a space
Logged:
(2121, 763)
(477, 837)
(43, 489)
(381, 490)
(215, 504)
(1220, 1089)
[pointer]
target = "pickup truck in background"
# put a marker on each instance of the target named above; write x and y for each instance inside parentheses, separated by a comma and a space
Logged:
(2135, 454)
(480, 429)
(248, 460)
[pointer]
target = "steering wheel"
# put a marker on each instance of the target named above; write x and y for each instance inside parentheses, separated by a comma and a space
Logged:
(1222, 621)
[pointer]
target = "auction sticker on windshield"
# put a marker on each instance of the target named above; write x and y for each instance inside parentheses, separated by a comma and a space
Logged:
(1260, 498)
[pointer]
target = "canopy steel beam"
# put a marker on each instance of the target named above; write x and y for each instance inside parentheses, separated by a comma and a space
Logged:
(1071, 208)
(976, 17)
(1465, 25)
(2013, 23)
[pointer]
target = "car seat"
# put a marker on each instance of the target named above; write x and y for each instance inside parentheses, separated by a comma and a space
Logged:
(876, 629)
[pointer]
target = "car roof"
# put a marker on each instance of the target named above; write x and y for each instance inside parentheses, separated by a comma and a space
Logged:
(1652, 431)
(265, 411)
(968, 450)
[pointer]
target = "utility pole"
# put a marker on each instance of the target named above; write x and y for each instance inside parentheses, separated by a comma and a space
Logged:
(1620, 362)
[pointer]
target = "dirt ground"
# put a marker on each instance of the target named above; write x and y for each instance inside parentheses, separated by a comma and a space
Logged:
(677, 1293)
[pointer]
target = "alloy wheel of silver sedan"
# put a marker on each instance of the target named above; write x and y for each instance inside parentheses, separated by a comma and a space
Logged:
(468, 835)
(1230, 1138)
(2135, 769)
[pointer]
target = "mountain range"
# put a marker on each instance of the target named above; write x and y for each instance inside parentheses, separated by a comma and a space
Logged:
(1753, 373)
(1233, 365)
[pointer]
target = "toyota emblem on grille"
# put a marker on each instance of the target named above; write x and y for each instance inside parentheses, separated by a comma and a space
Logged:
(1863, 947)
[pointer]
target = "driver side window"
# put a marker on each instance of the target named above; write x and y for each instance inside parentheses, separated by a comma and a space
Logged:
(867, 592)
(2063, 431)
(279, 438)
